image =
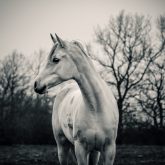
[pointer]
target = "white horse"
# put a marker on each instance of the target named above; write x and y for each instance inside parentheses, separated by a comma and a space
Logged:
(84, 119)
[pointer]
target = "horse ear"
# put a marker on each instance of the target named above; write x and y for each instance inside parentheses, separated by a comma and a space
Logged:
(53, 39)
(59, 40)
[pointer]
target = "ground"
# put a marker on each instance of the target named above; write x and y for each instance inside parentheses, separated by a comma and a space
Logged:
(47, 155)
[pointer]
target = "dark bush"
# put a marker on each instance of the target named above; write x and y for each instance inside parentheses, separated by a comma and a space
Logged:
(151, 136)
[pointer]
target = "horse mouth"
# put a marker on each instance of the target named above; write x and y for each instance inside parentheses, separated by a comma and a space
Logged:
(53, 85)
(45, 88)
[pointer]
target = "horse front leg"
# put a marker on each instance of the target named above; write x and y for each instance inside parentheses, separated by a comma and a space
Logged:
(63, 147)
(93, 158)
(84, 156)
(109, 154)
(63, 154)
(72, 155)
(81, 153)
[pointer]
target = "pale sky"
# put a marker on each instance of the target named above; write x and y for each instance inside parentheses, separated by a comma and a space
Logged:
(25, 25)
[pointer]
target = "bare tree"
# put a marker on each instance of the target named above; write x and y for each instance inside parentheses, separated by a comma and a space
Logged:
(152, 92)
(37, 62)
(127, 53)
(152, 95)
(13, 82)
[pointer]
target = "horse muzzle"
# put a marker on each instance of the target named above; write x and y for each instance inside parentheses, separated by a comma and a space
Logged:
(40, 89)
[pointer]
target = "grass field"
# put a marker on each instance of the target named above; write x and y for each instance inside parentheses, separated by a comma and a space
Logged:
(47, 155)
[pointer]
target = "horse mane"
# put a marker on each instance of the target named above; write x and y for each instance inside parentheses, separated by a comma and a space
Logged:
(77, 43)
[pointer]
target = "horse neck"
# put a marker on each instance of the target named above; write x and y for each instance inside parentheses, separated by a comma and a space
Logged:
(93, 88)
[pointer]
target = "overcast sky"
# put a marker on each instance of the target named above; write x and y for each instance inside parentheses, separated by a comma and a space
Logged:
(25, 25)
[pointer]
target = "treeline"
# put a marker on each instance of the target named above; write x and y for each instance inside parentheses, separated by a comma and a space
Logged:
(25, 117)
(132, 62)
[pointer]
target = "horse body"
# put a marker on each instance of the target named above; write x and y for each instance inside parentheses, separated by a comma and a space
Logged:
(74, 115)
(73, 122)
(84, 119)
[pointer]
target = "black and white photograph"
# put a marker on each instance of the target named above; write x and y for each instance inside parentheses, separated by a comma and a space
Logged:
(82, 82)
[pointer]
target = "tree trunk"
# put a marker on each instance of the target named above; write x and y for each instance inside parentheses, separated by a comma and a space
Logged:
(120, 107)
(120, 128)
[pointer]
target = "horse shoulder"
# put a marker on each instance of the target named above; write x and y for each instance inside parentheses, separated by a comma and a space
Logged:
(55, 117)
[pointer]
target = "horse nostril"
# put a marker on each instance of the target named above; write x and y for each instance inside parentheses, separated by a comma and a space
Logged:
(35, 84)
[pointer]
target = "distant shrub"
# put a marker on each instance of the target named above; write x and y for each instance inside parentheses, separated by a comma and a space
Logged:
(143, 136)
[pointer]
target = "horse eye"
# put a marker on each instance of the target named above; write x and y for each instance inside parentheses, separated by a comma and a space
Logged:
(55, 60)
